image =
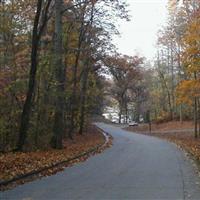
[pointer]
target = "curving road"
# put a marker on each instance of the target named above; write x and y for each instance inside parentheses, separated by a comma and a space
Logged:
(135, 167)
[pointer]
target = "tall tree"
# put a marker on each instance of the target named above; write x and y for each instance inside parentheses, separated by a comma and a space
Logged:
(126, 73)
(38, 28)
(58, 128)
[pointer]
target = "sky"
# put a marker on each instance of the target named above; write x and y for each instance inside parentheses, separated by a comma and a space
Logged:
(139, 35)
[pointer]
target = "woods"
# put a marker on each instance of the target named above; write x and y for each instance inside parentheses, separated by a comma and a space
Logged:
(50, 79)
(59, 67)
(80, 76)
(175, 79)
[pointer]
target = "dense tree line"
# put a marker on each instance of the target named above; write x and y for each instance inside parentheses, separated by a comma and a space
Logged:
(51, 55)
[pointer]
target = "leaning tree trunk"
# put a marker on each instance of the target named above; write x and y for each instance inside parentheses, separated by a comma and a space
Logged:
(32, 77)
(75, 70)
(58, 128)
(86, 70)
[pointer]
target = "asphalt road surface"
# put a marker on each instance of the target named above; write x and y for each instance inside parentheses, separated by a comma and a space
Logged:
(135, 167)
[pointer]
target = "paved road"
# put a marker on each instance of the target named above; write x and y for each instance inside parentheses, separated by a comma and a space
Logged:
(135, 167)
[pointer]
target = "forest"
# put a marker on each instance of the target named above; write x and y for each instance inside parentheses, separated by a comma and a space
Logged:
(59, 68)
(51, 59)
(60, 72)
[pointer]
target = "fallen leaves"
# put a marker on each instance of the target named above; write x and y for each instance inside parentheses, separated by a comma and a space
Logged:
(167, 126)
(171, 131)
(18, 164)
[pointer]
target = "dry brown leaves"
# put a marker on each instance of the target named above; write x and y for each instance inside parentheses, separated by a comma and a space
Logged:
(169, 131)
(173, 125)
(17, 164)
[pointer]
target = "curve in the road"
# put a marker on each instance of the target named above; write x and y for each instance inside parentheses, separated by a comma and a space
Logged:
(135, 167)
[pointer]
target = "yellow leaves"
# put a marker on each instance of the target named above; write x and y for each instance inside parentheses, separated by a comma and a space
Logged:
(191, 45)
(187, 90)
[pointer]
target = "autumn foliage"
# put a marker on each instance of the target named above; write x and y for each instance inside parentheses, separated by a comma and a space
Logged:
(175, 84)
(51, 86)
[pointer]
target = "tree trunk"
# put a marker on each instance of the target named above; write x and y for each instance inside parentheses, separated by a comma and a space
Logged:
(181, 114)
(75, 69)
(168, 95)
(120, 118)
(126, 110)
(32, 77)
(58, 128)
(38, 118)
(198, 117)
(172, 86)
(195, 118)
(195, 112)
(83, 98)
(120, 113)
